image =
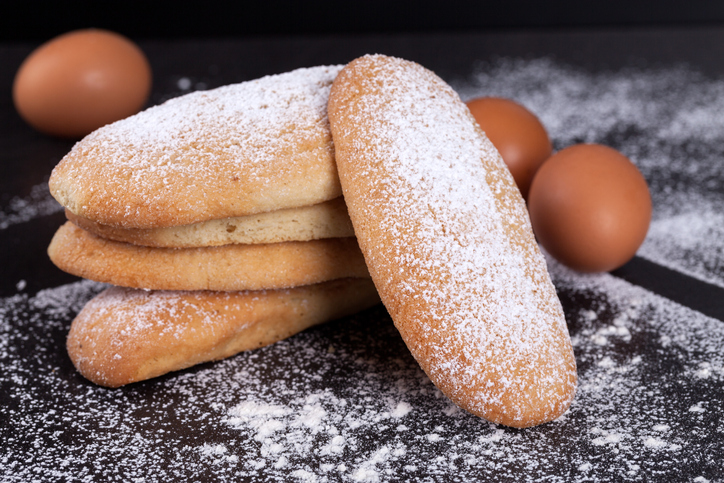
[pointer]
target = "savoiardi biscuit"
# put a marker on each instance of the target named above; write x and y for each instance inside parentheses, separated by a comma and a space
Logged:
(448, 243)
(126, 335)
(218, 216)
(258, 146)
(328, 219)
(227, 267)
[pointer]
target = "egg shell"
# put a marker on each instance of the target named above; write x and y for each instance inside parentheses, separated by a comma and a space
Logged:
(590, 207)
(80, 81)
(518, 135)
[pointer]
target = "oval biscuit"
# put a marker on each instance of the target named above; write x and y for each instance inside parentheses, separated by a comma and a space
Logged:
(253, 147)
(125, 335)
(447, 239)
(228, 267)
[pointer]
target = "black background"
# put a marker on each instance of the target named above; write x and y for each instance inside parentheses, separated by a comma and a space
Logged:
(37, 20)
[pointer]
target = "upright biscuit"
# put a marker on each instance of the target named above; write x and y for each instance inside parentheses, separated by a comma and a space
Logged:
(258, 146)
(228, 267)
(448, 242)
(125, 335)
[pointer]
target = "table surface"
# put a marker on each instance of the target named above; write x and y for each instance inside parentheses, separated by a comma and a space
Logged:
(346, 401)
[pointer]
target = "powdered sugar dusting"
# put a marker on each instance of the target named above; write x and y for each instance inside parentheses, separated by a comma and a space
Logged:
(183, 161)
(450, 249)
(346, 402)
(131, 313)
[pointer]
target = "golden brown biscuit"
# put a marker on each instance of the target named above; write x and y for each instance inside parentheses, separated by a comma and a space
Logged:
(323, 220)
(258, 146)
(448, 243)
(125, 335)
(228, 267)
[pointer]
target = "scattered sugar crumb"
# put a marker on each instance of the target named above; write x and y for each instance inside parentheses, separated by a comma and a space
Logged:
(402, 409)
(697, 408)
(184, 83)
(654, 443)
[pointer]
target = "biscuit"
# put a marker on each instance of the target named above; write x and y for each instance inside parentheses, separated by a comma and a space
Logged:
(328, 219)
(237, 150)
(448, 243)
(228, 267)
(125, 335)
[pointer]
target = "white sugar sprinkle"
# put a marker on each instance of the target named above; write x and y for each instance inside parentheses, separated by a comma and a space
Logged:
(23, 209)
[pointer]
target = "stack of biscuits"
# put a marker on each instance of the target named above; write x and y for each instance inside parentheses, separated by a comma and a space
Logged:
(221, 214)
(218, 220)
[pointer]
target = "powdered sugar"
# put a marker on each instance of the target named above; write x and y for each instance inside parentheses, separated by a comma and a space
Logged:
(139, 313)
(346, 402)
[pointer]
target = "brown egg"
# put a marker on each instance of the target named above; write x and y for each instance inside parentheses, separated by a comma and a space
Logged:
(518, 135)
(590, 207)
(81, 81)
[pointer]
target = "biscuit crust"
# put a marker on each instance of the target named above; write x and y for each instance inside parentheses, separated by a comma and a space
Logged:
(323, 220)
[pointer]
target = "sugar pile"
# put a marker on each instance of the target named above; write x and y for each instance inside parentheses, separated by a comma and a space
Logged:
(346, 402)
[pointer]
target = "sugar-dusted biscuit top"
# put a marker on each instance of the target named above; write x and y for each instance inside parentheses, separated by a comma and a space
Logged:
(253, 147)
(447, 239)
